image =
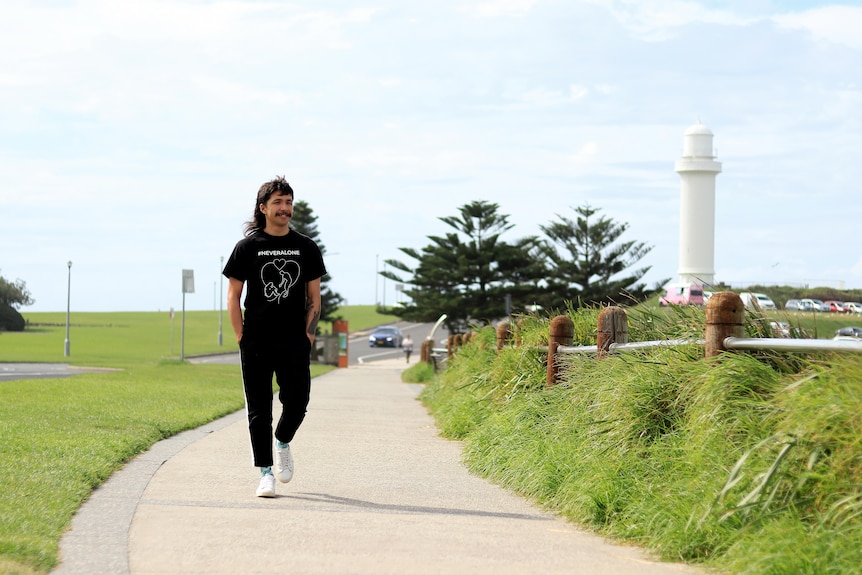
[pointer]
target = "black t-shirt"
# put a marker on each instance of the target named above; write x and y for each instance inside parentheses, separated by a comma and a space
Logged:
(275, 270)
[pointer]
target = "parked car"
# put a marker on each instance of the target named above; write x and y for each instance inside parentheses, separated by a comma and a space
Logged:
(761, 300)
(386, 336)
(853, 306)
(797, 305)
(815, 304)
(852, 332)
(836, 306)
(682, 294)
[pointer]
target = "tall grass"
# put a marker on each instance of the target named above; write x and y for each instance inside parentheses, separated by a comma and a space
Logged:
(748, 463)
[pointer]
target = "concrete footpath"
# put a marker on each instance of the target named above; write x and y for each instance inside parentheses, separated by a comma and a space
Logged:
(376, 491)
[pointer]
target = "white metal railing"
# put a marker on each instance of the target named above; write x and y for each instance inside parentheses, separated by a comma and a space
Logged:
(740, 343)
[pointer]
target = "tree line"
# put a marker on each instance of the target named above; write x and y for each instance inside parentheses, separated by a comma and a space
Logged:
(475, 276)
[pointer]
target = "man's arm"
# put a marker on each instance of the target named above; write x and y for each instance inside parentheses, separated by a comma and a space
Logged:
(234, 309)
(312, 308)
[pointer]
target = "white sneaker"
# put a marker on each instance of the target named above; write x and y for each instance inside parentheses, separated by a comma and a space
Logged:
(267, 486)
(283, 464)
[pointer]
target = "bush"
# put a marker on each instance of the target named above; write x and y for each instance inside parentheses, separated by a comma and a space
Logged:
(10, 319)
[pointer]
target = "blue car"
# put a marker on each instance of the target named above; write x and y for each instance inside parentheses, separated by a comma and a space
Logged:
(387, 336)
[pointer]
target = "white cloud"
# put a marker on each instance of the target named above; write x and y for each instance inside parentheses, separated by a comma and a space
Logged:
(578, 92)
(659, 20)
(498, 8)
(836, 24)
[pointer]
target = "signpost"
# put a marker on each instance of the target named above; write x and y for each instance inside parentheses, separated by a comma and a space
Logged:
(188, 287)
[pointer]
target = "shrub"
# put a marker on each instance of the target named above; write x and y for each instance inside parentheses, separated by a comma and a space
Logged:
(10, 319)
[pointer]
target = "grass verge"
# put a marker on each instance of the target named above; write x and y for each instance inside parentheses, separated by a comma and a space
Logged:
(64, 437)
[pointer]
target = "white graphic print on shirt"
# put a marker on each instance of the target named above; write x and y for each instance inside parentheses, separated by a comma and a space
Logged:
(278, 276)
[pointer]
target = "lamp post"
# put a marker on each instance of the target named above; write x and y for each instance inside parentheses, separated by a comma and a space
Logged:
(220, 300)
(67, 349)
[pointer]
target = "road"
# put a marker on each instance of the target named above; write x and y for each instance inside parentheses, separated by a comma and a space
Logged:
(10, 371)
(358, 350)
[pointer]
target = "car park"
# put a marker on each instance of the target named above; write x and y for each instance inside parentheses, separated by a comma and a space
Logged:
(754, 300)
(386, 336)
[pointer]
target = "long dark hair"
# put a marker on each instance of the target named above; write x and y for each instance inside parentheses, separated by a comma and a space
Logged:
(258, 220)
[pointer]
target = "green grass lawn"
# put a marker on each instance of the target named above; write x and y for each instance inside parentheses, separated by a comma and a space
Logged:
(63, 437)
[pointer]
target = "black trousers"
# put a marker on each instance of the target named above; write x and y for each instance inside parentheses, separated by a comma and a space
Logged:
(290, 364)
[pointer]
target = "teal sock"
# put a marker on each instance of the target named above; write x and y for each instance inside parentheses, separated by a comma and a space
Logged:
(281, 445)
(265, 471)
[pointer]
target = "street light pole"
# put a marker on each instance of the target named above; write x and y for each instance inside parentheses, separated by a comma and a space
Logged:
(67, 347)
(220, 300)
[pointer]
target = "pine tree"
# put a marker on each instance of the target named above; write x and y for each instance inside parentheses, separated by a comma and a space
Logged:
(468, 273)
(588, 267)
(305, 222)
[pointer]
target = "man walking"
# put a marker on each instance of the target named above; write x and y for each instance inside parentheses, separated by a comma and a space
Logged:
(280, 270)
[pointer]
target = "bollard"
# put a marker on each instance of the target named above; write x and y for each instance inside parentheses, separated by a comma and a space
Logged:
(503, 334)
(724, 318)
(613, 328)
(562, 332)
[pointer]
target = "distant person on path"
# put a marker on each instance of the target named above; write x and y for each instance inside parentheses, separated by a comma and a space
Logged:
(407, 346)
(281, 270)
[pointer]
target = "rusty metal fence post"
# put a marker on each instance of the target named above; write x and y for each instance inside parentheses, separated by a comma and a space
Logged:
(562, 332)
(725, 313)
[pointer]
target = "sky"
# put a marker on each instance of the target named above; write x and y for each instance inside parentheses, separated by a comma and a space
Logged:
(134, 135)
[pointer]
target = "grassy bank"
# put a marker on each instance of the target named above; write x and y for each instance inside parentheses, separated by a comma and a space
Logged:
(63, 437)
(749, 463)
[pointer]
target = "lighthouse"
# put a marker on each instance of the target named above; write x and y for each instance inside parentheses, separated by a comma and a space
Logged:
(697, 168)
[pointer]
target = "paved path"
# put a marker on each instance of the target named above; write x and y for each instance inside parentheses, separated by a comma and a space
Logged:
(376, 491)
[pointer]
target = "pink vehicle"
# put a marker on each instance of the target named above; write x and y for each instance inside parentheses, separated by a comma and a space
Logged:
(682, 294)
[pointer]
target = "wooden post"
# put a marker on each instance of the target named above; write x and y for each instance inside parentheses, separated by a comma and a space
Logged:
(425, 350)
(613, 328)
(503, 334)
(724, 318)
(562, 332)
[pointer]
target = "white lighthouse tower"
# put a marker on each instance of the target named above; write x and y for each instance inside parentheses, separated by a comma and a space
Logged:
(698, 169)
